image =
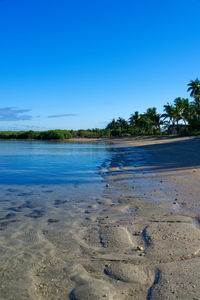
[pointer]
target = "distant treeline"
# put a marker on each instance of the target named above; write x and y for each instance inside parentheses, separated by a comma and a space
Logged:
(181, 117)
(36, 135)
(57, 134)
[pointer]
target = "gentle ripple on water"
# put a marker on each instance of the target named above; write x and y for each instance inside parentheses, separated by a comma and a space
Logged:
(45, 178)
(45, 189)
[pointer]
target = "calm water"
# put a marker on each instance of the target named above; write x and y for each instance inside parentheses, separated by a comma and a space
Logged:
(51, 182)
(48, 193)
(53, 179)
(45, 179)
(23, 162)
(45, 189)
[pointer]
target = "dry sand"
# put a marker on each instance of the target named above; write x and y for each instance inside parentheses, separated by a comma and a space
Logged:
(141, 241)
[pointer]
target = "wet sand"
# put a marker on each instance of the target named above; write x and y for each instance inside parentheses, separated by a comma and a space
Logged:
(141, 240)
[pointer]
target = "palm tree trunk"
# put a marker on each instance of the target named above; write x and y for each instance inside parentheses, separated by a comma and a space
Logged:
(173, 127)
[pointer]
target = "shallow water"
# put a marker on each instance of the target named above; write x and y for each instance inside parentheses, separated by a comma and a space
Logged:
(47, 191)
(40, 179)
(43, 186)
(24, 162)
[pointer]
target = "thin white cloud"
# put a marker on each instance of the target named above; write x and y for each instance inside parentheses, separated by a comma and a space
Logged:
(16, 127)
(11, 114)
(62, 115)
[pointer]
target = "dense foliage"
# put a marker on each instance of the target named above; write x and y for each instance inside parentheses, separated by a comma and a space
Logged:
(36, 135)
(180, 117)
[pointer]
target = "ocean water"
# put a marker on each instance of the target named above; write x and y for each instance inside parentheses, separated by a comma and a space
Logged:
(53, 181)
(48, 193)
(44, 187)
(28, 163)
(38, 177)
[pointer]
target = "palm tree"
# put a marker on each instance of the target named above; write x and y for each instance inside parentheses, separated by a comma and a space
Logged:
(135, 123)
(178, 109)
(184, 109)
(155, 118)
(146, 124)
(171, 114)
(134, 119)
(194, 89)
(122, 124)
(112, 125)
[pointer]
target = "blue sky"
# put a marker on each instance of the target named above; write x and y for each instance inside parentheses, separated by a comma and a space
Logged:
(78, 64)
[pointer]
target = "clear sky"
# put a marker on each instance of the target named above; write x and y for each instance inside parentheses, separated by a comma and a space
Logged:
(79, 63)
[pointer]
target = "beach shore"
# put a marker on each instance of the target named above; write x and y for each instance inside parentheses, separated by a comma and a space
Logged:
(139, 240)
(144, 241)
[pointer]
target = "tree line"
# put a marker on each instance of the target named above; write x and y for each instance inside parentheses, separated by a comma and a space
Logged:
(180, 117)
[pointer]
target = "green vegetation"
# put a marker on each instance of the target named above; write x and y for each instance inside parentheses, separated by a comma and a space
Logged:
(181, 117)
(36, 135)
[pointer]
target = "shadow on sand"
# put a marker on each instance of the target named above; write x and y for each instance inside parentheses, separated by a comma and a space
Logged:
(159, 154)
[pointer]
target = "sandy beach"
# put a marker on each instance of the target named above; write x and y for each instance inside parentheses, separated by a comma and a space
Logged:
(145, 242)
(99, 150)
(141, 240)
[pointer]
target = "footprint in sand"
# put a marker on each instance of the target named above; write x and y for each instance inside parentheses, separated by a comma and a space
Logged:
(88, 288)
(116, 237)
(96, 289)
(130, 273)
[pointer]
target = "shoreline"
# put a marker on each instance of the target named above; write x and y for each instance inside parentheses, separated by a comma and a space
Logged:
(139, 240)
(165, 225)
(142, 241)
(148, 227)
(109, 139)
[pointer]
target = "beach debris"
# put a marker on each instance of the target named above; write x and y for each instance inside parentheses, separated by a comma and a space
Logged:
(175, 201)
(92, 206)
(53, 221)
(140, 248)
(137, 233)
(92, 218)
